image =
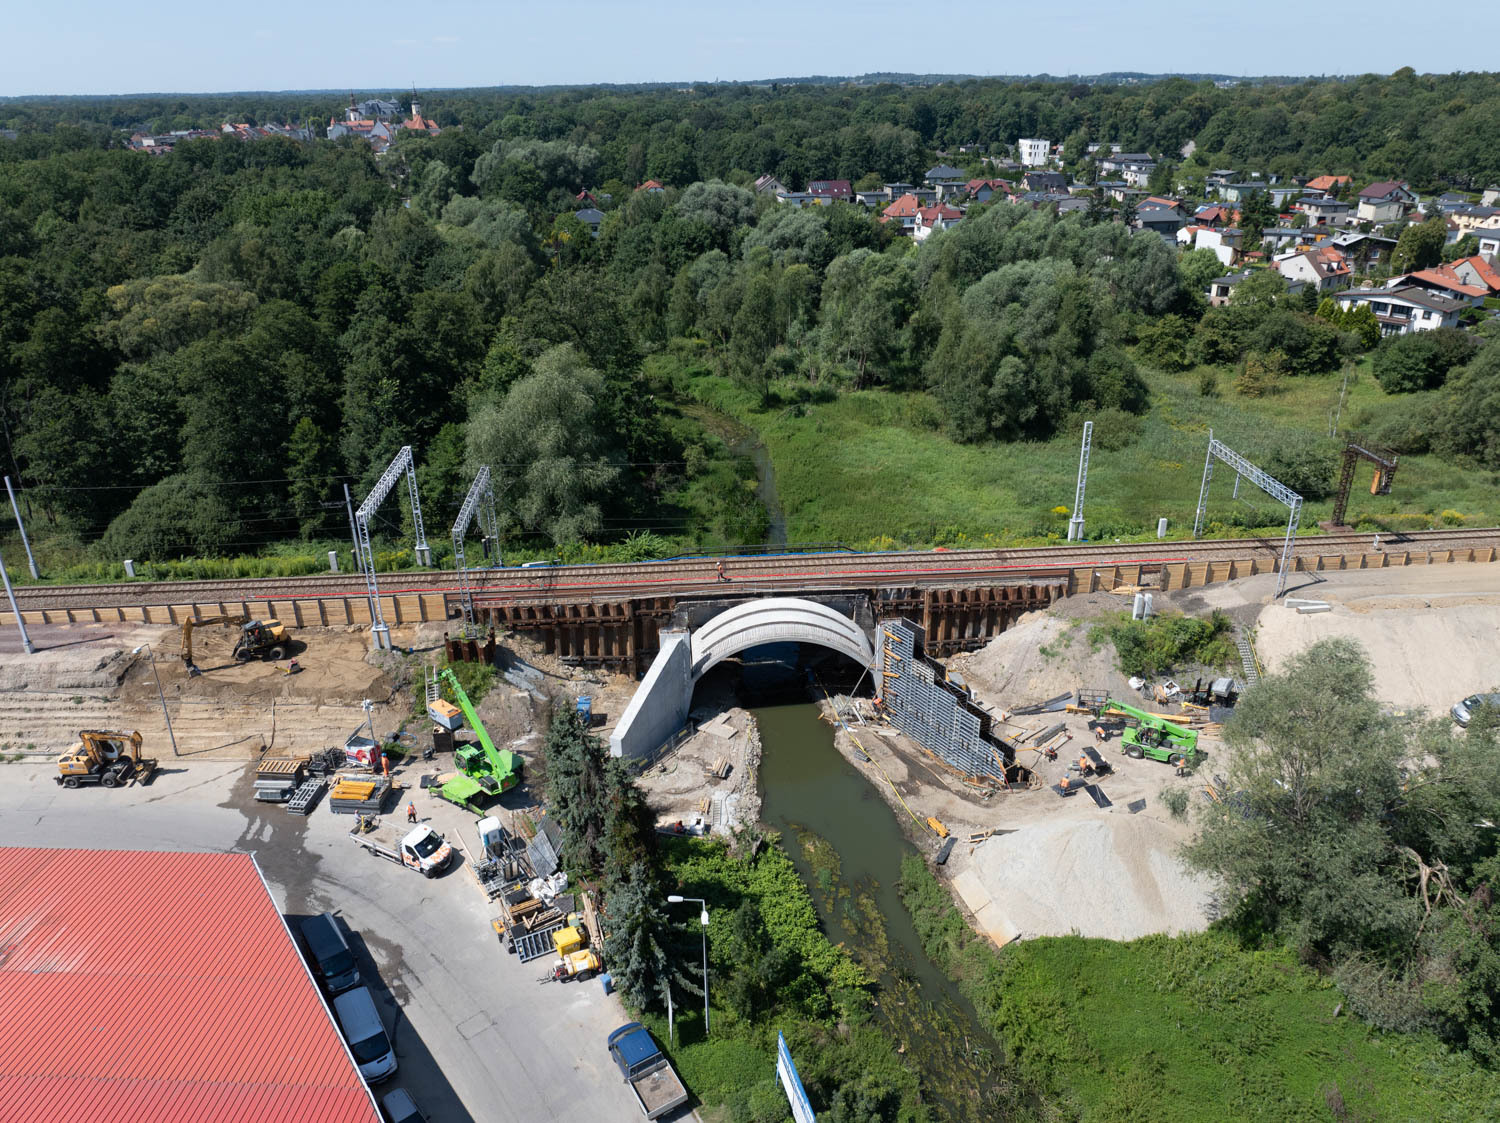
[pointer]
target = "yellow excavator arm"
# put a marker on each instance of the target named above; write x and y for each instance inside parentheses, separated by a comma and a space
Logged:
(202, 622)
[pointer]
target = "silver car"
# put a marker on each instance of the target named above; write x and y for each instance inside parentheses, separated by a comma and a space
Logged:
(1463, 712)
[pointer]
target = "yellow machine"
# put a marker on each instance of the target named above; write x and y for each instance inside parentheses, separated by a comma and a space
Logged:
(582, 964)
(105, 757)
(259, 639)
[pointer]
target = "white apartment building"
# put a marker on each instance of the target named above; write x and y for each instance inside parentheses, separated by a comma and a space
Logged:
(1033, 153)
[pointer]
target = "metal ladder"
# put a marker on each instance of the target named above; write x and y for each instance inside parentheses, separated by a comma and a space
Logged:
(305, 796)
(534, 945)
(1247, 660)
(434, 690)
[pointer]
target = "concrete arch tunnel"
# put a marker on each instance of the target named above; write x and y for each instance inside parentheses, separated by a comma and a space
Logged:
(661, 704)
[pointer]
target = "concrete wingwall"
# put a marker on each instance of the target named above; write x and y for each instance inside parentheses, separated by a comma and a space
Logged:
(660, 706)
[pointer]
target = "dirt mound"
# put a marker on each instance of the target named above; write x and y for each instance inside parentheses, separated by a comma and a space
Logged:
(1115, 877)
(1042, 655)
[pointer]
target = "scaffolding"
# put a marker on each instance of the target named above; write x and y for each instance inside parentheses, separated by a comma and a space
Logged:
(401, 464)
(480, 501)
(939, 715)
(1075, 524)
(1267, 483)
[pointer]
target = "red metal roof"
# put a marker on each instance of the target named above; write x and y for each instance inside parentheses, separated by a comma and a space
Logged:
(146, 987)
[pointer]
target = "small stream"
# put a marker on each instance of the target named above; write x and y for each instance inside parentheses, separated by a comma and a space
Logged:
(742, 441)
(847, 845)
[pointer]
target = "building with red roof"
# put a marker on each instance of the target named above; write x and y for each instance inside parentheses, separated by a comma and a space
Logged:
(152, 987)
(932, 219)
(902, 211)
(1328, 183)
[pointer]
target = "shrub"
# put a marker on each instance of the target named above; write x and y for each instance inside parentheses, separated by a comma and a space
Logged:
(1303, 462)
(181, 515)
(1421, 360)
(1157, 646)
(1164, 344)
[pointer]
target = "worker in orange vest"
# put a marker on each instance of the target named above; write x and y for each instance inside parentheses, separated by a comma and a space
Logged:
(411, 812)
(719, 568)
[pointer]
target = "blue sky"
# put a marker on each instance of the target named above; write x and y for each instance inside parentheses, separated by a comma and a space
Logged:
(87, 46)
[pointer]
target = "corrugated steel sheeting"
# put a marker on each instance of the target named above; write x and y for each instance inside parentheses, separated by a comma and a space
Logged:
(158, 987)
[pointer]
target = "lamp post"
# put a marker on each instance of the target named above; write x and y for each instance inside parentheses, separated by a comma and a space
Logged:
(146, 647)
(703, 921)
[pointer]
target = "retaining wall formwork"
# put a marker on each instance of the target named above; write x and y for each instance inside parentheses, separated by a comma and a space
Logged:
(939, 716)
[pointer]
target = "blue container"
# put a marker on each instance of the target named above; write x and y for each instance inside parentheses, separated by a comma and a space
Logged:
(607, 982)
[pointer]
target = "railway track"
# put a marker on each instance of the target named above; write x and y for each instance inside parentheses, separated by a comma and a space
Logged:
(646, 578)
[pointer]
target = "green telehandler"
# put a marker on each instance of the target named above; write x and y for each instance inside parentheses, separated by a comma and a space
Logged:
(484, 771)
(1146, 734)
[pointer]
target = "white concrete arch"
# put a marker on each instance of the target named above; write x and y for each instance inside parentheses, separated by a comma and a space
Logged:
(777, 620)
(661, 704)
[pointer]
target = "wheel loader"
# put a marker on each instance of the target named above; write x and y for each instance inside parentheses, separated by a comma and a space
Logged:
(105, 757)
(258, 639)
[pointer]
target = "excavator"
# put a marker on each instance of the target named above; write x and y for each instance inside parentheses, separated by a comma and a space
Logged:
(259, 639)
(105, 757)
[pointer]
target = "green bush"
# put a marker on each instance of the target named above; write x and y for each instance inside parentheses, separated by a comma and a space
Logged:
(181, 515)
(1157, 646)
(1305, 462)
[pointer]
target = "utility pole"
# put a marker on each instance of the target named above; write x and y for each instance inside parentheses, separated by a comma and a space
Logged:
(21, 624)
(1075, 524)
(30, 561)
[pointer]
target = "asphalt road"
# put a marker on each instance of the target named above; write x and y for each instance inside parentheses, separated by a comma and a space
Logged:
(477, 1037)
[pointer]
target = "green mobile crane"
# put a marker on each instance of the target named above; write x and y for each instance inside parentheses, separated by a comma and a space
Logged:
(1146, 734)
(484, 771)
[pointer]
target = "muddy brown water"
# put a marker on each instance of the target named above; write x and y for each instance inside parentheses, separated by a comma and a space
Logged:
(847, 846)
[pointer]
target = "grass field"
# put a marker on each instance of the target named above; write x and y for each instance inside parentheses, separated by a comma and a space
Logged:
(1181, 1029)
(874, 467)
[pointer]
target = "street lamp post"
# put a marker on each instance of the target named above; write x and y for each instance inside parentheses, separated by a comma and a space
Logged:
(703, 921)
(146, 647)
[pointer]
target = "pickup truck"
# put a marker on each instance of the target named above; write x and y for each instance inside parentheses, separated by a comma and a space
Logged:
(646, 1069)
(421, 848)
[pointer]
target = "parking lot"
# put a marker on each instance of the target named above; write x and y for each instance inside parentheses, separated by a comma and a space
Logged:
(477, 1037)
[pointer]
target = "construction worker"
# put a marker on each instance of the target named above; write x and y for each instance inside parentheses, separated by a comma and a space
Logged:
(411, 812)
(719, 569)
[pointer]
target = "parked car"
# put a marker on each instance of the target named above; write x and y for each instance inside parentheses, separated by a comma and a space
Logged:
(1463, 712)
(365, 1033)
(332, 958)
(401, 1108)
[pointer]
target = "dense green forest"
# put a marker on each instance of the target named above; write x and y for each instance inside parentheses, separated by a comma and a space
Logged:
(198, 350)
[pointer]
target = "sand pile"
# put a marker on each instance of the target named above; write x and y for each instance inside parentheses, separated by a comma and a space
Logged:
(1425, 652)
(1115, 877)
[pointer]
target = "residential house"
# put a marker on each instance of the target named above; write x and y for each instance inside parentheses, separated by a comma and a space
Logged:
(1221, 289)
(262, 132)
(1323, 210)
(1478, 270)
(1324, 268)
(1403, 310)
(804, 199)
(1055, 182)
(1278, 238)
(1363, 250)
(1033, 153)
(1215, 215)
(652, 187)
(1164, 201)
(1123, 193)
(924, 195)
(591, 218)
(1116, 162)
(1165, 221)
(768, 184)
(837, 190)
(1443, 281)
(1063, 203)
(931, 219)
(1328, 184)
(159, 144)
(1386, 201)
(903, 213)
(946, 180)
(1489, 243)
(1449, 201)
(872, 198)
(982, 190)
(1491, 197)
(1137, 173)
(1475, 220)
(1224, 243)
(1240, 192)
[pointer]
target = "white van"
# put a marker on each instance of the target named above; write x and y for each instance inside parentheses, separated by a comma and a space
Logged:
(365, 1032)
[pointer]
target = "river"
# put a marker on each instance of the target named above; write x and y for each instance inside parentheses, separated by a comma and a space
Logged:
(847, 845)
